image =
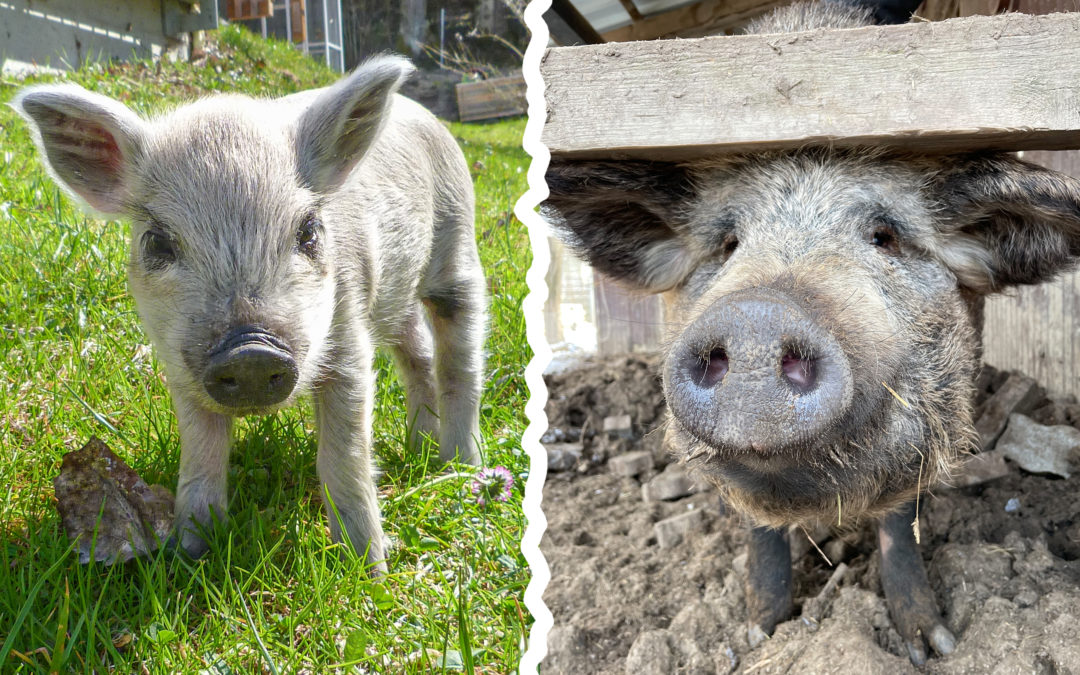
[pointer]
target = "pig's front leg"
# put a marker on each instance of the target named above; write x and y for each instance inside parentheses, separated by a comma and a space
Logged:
(907, 590)
(768, 582)
(204, 470)
(343, 403)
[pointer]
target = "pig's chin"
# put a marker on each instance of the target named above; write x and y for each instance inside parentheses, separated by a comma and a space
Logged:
(246, 411)
(800, 485)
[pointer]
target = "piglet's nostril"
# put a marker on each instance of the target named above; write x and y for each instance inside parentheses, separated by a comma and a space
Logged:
(799, 371)
(710, 370)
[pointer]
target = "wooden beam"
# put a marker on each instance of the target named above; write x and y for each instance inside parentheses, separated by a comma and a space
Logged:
(1009, 82)
(577, 21)
(632, 10)
(707, 14)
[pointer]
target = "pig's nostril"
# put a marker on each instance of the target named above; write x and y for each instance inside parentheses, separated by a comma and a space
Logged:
(710, 370)
(798, 370)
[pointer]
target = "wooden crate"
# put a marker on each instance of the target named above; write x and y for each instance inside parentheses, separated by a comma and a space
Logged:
(245, 10)
(491, 99)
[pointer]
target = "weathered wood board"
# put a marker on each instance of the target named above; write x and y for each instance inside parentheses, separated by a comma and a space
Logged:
(1008, 82)
(491, 99)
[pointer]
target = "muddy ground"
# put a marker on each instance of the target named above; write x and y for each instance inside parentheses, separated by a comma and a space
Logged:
(629, 597)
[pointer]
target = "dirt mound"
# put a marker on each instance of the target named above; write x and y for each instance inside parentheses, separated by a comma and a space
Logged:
(656, 585)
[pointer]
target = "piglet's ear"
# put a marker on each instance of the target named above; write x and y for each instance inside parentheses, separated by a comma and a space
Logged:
(624, 218)
(90, 142)
(1018, 223)
(343, 122)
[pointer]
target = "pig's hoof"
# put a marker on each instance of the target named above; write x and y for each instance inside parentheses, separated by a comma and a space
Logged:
(941, 641)
(755, 635)
(194, 545)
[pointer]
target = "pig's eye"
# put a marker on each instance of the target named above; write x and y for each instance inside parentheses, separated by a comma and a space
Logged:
(730, 244)
(160, 250)
(885, 238)
(307, 237)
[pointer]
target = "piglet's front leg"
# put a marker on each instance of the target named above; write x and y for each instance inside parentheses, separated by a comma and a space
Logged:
(343, 407)
(907, 590)
(768, 582)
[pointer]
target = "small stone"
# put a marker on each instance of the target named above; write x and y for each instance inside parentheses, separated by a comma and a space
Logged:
(651, 653)
(618, 426)
(672, 483)
(563, 456)
(1019, 394)
(631, 463)
(836, 550)
(565, 649)
(1041, 449)
(981, 468)
(672, 531)
(1013, 505)
(738, 563)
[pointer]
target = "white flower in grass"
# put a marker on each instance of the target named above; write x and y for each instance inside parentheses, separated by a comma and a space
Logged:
(492, 483)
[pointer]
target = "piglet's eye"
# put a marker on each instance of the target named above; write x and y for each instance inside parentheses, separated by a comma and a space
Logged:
(885, 238)
(160, 250)
(307, 236)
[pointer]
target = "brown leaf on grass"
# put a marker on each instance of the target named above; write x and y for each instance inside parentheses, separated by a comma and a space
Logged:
(104, 504)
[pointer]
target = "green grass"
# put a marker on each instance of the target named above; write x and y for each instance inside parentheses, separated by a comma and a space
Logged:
(274, 594)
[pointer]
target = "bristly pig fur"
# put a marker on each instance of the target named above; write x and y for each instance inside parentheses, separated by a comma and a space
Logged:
(218, 193)
(804, 223)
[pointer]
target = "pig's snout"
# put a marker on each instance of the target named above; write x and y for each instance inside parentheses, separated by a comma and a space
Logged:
(755, 371)
(250, 368)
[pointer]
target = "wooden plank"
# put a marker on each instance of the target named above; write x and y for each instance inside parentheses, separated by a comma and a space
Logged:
(1009, 82)
(490, 99)
(701, 17)
(626, 321)
(298, 20)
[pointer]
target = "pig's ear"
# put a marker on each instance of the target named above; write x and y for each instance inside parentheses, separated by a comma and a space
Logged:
(1008, 222)
(90, 142)
(342, 123)
(624, 218)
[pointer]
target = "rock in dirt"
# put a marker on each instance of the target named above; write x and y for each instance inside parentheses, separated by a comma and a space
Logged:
(565, 650)
(662, 651)
(673, 483)
(1019, 394)
(672, 531)
(981, 468)
(619, 426)
(563, 456)
(631, 464)
(1041, 449)
(106, 506)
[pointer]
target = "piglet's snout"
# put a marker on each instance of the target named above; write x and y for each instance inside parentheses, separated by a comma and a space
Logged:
(756, 371)
(250, 368)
